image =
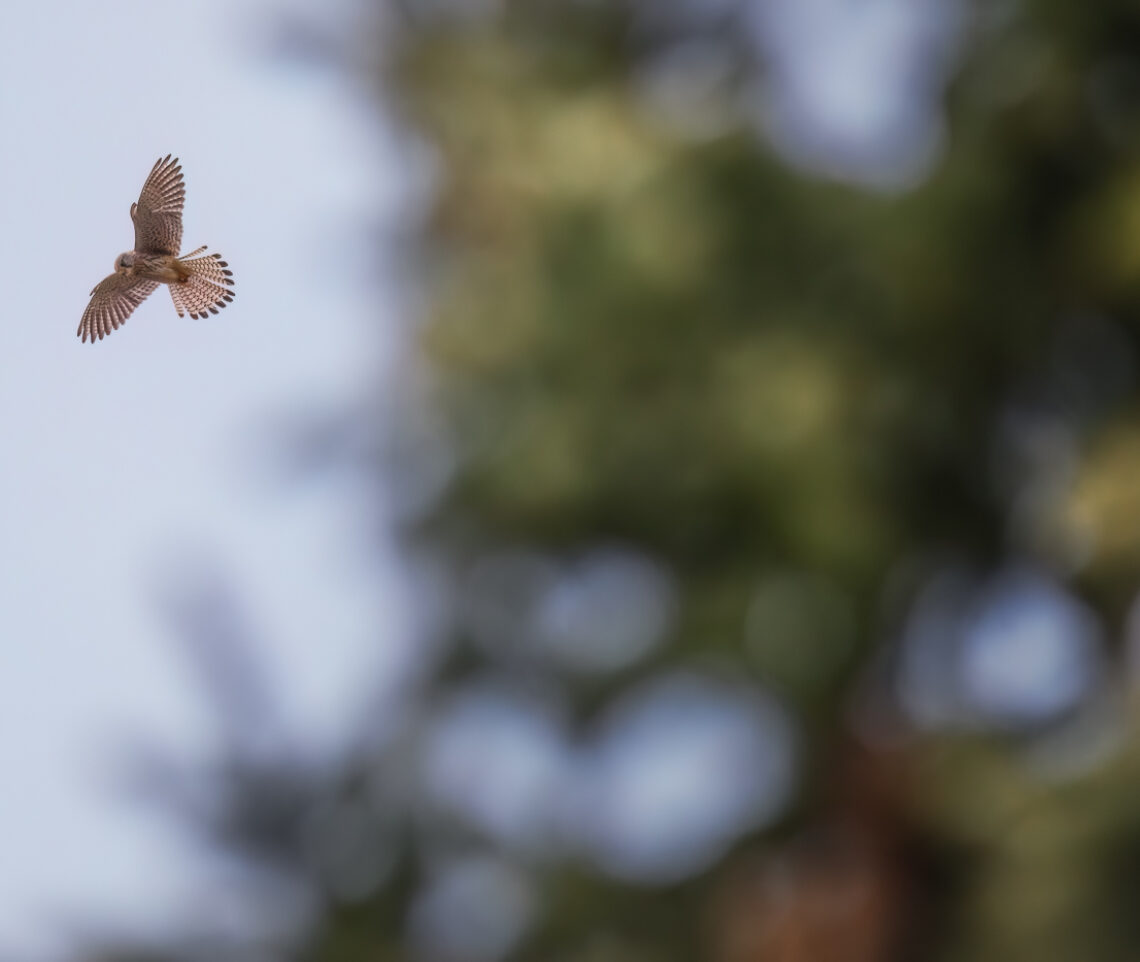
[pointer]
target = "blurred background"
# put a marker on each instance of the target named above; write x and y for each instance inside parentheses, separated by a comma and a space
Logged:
(666, 488)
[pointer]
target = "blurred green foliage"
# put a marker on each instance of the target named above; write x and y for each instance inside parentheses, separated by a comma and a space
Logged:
(797, 398)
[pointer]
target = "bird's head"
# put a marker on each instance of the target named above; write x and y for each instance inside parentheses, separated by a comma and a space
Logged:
(124, 262)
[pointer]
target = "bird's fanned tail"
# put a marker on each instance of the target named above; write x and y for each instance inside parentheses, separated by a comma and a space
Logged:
(207, 289)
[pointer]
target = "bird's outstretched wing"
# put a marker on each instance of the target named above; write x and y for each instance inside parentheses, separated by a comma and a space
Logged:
(113, 301)
(158, 214)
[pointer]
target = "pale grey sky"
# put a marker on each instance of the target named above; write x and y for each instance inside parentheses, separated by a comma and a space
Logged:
(120, 456)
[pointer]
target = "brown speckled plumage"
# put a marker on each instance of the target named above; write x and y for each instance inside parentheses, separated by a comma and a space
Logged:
(199, 283)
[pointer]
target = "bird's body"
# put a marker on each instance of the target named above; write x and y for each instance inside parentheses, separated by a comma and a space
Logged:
(155, 267)
(199, 283)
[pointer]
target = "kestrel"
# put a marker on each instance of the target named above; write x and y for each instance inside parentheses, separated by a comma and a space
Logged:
(198, 282)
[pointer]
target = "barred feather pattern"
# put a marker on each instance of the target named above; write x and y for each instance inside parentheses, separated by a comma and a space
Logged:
(112, 301)
(199, 283)
(158, 214)
(207, 290)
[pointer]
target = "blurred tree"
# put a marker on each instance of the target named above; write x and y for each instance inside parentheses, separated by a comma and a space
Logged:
(778, 536)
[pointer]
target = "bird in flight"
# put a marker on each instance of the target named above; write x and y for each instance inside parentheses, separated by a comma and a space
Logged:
(198, 282)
